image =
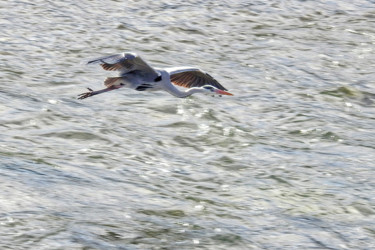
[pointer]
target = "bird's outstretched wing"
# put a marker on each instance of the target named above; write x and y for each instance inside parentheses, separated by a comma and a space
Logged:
(125, 63)
(189, 77)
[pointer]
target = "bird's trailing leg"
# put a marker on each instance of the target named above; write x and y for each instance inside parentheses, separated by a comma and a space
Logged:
(92, 92)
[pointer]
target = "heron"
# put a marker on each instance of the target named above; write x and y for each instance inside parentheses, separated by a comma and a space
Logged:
(135, 73)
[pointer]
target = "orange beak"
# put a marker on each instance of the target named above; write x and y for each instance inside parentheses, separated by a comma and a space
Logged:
(222, 92)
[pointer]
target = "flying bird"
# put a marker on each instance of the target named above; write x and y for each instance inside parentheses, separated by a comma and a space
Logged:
(136, 74)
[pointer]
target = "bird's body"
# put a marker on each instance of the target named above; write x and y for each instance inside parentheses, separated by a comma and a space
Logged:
(136, 74)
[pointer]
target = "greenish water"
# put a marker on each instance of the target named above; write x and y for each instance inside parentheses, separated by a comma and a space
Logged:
(286, 163)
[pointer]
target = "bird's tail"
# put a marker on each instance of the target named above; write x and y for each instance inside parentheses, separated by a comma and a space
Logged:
(113, 81)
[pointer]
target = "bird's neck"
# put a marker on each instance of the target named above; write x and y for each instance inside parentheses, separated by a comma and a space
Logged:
(181, 94)
(170, 88)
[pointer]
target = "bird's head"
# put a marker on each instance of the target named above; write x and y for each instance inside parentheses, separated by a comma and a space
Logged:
(213, 90)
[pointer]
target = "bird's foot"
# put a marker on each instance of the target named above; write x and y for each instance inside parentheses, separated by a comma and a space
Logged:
(86, 94)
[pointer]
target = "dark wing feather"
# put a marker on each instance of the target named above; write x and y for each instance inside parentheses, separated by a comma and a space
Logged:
(194, 78)
(125, 63)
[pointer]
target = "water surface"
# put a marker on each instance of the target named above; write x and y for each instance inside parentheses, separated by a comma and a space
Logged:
(286, 163)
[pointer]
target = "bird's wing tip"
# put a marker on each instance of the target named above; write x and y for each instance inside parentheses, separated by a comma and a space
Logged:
(114, 58)
(83, 62)
(91, 61)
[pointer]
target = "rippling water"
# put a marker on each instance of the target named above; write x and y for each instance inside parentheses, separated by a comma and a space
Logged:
(286, 163)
